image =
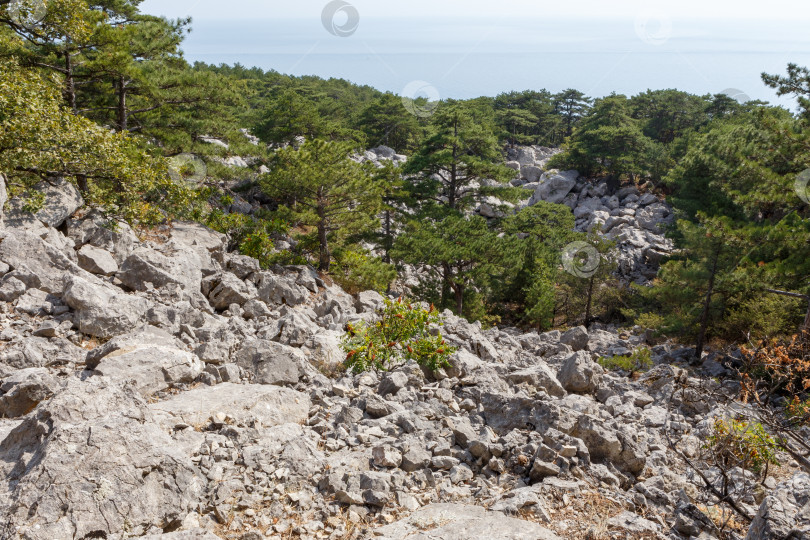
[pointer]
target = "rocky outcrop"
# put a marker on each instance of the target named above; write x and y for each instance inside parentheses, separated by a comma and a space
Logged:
(634, 219)
(170, 389)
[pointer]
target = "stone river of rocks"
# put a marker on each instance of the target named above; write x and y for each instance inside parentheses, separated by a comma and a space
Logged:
(163, 387)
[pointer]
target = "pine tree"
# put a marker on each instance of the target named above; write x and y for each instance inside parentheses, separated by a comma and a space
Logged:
(607, 141)
(323, 189)
(41, 139)
(460, 251)
(458, 153)
(572, 105)
(386, 122)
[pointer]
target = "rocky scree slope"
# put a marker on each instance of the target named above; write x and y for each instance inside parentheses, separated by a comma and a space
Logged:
(635, 220)
(165, 388)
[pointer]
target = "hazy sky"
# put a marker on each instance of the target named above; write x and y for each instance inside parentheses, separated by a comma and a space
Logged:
(468, 48)
(275, 9)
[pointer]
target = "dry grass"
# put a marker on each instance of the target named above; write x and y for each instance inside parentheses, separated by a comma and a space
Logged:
(585, 516)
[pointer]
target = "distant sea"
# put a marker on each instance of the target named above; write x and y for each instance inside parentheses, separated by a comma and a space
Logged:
(469, 58)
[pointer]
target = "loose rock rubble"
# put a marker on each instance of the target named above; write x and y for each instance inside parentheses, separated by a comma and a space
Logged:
(635, 221)
(167, 388)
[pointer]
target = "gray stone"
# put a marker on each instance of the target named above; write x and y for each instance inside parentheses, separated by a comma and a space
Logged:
(523, 501)
(191, 234)
(37, 303)
(241, 265)
(531, 173)
(631, 522)
(152, 368)
(580, 374)
(462, 522)
(11, 289)
(278, 290)
(238, 404)
(142, 336)
(461, 473)
(541, 469)
(227, 289)
(115, 237)
(103, 468)
(386, 456)
(102, 311)
(786, 509)
(392, 383)
(368, 302)
(540, 376)
(270, 362)
(255, 308)
(576, 338)
(415, 459)
(51, 267)
(147, 266)
(96, 260)
(24, 390)
(554, 186)
(690, 521)
(61, 200)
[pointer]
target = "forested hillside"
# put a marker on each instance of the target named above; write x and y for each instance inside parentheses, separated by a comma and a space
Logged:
(100, 94)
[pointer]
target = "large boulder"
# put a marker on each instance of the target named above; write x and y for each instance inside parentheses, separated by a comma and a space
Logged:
(151, 368)
(147, 266)
(91, 463)
(462, 522)
(190, 234)
(275, 290)
(52, 268)
(784, 511)
(270, 362)
(139, 337)
(554, 186)
(251, 405)
(576, 338)
(580, 374)
(21, 392)
(96, 260)
(653, 217)
(538, 376)
(102, 311)
(224, 289)
(61, 200)
(116, 237)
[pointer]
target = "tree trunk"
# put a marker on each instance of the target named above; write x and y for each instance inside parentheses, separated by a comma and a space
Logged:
(122, 104)
(458, 288)
(588, 304)
(451, 195)
(446, 276)
(324, 257)
(70, 85)
(388, 239)
(704, 318)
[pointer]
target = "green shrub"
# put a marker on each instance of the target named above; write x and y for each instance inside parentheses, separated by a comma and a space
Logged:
(402, 333)
(257, 244)
(736, 443)
(357, 270)
(651, 321)
(639, 360)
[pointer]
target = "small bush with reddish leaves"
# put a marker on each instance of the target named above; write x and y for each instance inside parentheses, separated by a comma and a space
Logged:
(402, 333)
